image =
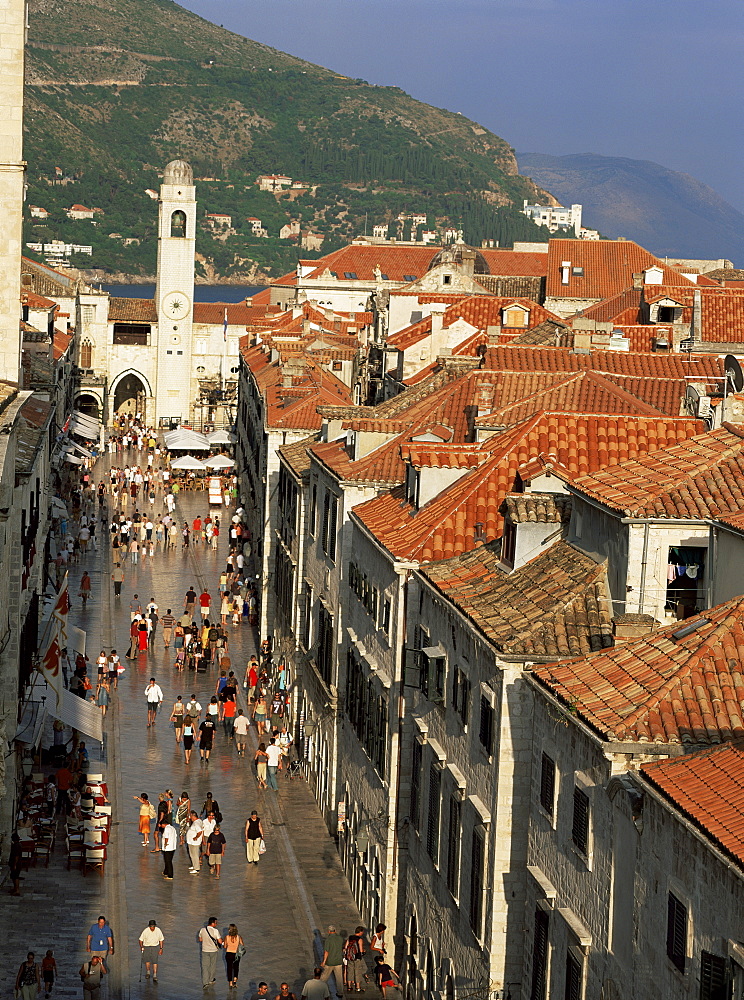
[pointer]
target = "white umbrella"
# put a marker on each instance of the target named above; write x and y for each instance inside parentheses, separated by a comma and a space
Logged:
(219, 462)
(188, 462)
(185, 439)
(220, 437)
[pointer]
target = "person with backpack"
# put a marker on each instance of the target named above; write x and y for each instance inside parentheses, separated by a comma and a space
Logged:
(356, 966)
(91, 974)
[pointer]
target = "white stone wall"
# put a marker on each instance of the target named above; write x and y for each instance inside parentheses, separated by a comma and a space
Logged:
(12, 171)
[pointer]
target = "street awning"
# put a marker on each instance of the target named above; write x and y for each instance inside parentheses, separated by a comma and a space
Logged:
(31, 725)
(73, 459)
(76, 638)
(80, 715)
(83, 451)
(59, 507)
(84, 425)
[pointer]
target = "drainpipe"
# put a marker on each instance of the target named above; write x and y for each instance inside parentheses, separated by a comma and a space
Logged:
(401, 716)
(644, 562)
(712, 560)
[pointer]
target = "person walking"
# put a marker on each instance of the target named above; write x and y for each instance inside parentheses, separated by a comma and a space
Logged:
(168, 622)
(183, 809)
(146, 815)
(377, 943)
(273, 763)
(194, 837)
(356, 966)
(211, 943)
(100, 940)
(260, 711)
(253, 837)
(385, 976)
(316, 988)
(151, 942)
(168, 845)
(188, 737)
(91, 973)
(205, 600)
(177, 717)
(48, 971)
(333, 960)
(234, 951)
(154, 696)
(240, 728)
(85, 588)
(260, 758)
(118, 577)
(28, 980)
(216, 845)
(206, 735)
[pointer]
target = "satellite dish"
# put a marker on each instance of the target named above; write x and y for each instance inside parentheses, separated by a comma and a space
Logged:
(734, 372)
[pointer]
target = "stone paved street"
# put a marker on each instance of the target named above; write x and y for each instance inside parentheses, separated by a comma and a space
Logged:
(281, 907)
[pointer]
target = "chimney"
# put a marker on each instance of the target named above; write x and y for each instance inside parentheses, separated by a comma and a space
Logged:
(467, 262)
(632, 626)
(697, 316)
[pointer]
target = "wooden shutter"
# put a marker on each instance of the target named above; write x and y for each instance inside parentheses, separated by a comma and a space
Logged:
(713, 977)
(476, 883)
(432, 826)
(333, 527)
(453, 847)
(486, 723)
(676, 932)
(415, 783)
(547, 784)
(325, 525)
(573, 978)
(540, 956)
(580, 828)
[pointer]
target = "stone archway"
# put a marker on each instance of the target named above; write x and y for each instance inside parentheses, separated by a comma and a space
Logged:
(89, 404)
(130, 394)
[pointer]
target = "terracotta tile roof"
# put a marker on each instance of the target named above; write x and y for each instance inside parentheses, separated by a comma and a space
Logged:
(35, 301)
(537, 508)
(296, 455)
(448, 524)
(721, 310)
(735, 521)
(608, 266)
(695, 479)
(132, 310)
(61, 343)
(556, 605)
(551, 333)
(708, 787)
(557, 359)
(658, 689)
(46, 281)
(398, 262)
(213, 313)
(444, 456)
(624, 307)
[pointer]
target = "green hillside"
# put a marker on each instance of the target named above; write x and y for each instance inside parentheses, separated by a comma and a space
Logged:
(115, 91)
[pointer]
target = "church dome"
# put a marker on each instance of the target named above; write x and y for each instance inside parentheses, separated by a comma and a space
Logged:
(453, 254)
(178, 172)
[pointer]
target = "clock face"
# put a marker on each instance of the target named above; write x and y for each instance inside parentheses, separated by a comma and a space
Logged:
(176, 305)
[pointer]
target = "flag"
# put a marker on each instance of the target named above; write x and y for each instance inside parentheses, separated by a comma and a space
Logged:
(50, 667)
(224, 327)
(61, 607)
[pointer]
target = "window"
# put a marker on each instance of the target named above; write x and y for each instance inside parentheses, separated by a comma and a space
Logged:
(485, 733)
(432, 823)
(713, 977)
(453, 846)
(433, 669)
(329, 526)
(580, 825)
(446, 279)
(86, 354)
(573, 977)
(476, 883)
(547, 784)
(350, 275)
(178, 224)
(132, 333)
(676, 932)
(461, 695)
(385, 623)
(406, 277)
(313, 520)
(284, 582)
(367, 711)
(509, 543)
(540, 956)
(200, 346)
(415, 784)
(88, 314)
(307, 615)
(325, 644)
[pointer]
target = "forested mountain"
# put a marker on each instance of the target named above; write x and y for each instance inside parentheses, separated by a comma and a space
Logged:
(116, 90)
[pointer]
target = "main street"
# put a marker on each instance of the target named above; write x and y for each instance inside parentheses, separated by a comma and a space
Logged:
(281, 906)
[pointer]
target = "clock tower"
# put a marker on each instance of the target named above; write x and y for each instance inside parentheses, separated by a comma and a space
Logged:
(174, 291)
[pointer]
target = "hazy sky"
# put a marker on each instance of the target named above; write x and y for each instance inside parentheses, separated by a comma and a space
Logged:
(649, 79)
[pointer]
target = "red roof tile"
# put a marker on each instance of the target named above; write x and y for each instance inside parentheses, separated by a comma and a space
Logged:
(560, 360)
(624, 307)
(708, 787)
(132, 310)
(695, 479)
(658, 689)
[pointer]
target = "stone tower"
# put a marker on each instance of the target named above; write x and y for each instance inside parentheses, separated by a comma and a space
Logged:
(174, 291)
(12, 175)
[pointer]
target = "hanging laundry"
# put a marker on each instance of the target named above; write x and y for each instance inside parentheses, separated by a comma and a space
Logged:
(692, 572)
(671, 572)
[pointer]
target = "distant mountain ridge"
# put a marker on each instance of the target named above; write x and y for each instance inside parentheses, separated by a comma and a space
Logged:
(115, 90)
(668, 212)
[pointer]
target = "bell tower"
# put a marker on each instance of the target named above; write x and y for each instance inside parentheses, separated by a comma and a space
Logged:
(174, 291)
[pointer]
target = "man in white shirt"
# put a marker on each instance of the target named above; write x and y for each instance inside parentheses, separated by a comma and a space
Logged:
(208, 824)
(193, 708)
(211, 942)
(151, 945)
(154, 697)
(194, 836)
(240, 728)
(168, 846)
(274, 763)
